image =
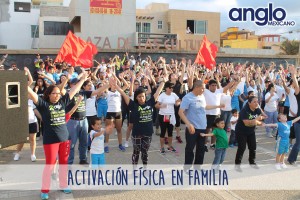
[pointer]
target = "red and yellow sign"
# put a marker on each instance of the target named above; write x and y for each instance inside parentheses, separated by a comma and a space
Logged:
(113, 7)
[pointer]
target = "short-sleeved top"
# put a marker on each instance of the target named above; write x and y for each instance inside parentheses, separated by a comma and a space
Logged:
(194, 108)
(114, 101)
(222, 139)
(97, 145)
(53, 115)
(31, 115)
(81, 110)
(170, 101)
(246, 113)
(142, 117)
(272, 104)
(213, 99)
(284, 130)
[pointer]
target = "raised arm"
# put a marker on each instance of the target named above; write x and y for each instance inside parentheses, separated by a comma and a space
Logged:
(125, 97)
(77, 87)
(32, 95)
(76, 105)
(30, 80)
(159, 89)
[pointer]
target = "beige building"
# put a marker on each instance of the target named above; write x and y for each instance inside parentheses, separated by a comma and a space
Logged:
(158, 22)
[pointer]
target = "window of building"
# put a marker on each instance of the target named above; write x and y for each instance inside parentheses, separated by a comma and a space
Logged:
(159, 24)
(22, 7)
(143, 27)
(34, 31)
(3, 46)
(56, 28)
(267, 47)
(196, 27)
(12, 95)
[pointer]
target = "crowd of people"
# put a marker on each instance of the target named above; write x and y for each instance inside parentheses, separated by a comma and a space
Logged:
(220, 108)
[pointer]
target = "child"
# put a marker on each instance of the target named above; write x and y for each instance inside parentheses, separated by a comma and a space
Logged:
(233, 121)
(282, 144)
(102, 104)
(97, 144)
(221, 143)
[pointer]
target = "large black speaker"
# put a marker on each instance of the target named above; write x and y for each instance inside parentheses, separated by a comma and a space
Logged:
(13, 108)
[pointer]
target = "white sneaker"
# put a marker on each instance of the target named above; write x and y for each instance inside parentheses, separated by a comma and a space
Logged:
(17, 157)
(277, 166)
(126, 144)
(33, 158)
(283, 166)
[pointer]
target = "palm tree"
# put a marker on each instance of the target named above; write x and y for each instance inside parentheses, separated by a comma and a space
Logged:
(290, 47)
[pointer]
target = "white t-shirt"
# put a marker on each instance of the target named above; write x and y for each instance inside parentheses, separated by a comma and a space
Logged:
(114, 101)
(170, 101)
(232, 119)
(31, 115)
(226, 99)
(97, 145)
(90, 106)
(279, 91)
(293, 102)
(213, 99)
(253, 89)
(271, 106)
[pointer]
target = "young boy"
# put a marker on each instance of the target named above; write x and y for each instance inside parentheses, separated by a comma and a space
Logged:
(97, 144)
(233, 121)
(282, 144)
(221, 143)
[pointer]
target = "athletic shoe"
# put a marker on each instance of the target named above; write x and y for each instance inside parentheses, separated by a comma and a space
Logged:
(277, 166)
(67, 191)
(126, 144)
(166, 140)
(17, 157)
(179, 140)
(106, 149)
(171, 149)
(44, 196)
(238, 168)
(254, 166)
(83, 162)
(33, 158)
(122, 148)
(283, 166)
(205, 148)
(162, 151)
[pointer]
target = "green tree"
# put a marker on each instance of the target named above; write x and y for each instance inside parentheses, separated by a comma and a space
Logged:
(290, 47)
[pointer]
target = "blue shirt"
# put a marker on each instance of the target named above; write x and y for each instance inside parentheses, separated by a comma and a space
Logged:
(194, 107)
(235, 100)
(284, 130)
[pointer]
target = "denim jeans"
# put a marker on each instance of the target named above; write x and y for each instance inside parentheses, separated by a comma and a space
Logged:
(78, 129)
(272, 119)
(193, 140)
(219, 156)
(226, 115)
(232, 138)
(296, 147)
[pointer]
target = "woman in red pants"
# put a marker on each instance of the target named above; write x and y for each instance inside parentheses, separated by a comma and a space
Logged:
(55, 140)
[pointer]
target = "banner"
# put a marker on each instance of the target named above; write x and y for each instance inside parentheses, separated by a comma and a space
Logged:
(113, 7)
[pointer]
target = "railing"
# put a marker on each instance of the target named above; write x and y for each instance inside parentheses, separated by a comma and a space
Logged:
(163, 40)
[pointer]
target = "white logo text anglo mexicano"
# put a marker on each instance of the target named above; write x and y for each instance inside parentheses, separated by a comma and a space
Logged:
(261, 16)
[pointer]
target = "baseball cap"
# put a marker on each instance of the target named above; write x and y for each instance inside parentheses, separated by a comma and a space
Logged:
(74, 81)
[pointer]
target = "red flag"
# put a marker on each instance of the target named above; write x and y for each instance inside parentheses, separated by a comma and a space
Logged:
(76, 51)
(207, 54)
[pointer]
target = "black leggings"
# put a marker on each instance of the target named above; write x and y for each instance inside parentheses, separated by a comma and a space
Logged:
(165, 126)
(140, 144)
